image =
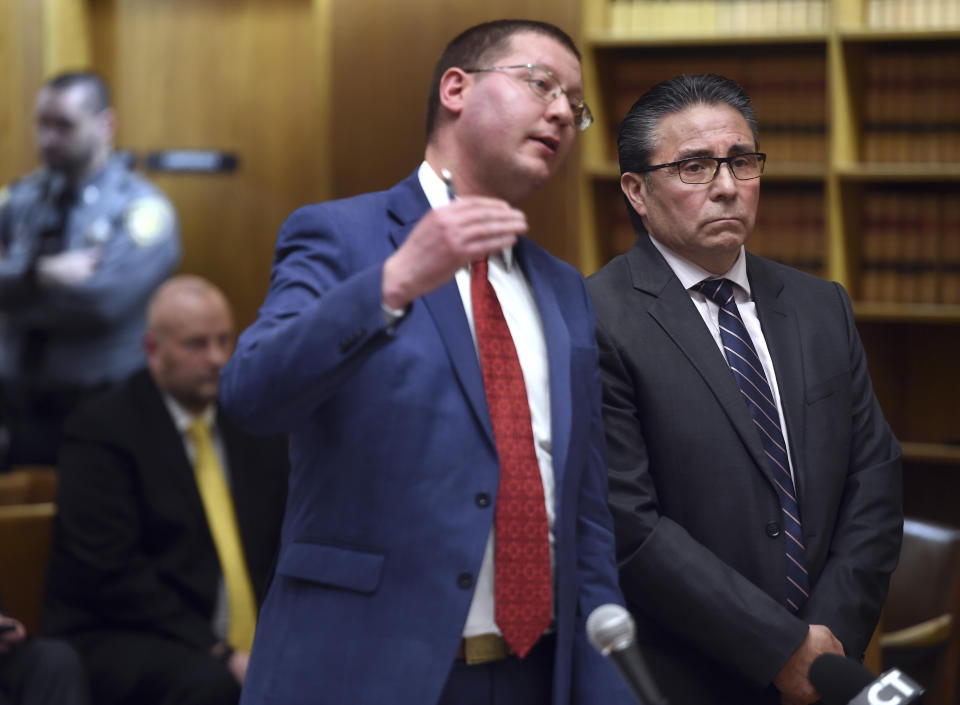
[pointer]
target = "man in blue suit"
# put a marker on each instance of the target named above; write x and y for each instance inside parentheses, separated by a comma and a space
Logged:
(408, 433)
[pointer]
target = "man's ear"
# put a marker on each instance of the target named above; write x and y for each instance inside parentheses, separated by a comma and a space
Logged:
(149, 344)
(108, 122)
(634, 187)
(454, 86)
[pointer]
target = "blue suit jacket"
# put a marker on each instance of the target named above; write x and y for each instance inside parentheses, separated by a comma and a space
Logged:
(392, 459)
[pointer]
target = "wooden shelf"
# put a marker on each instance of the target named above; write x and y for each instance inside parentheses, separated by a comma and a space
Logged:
(866, 35)
(607, 39)
(948, 314)
(927, 172)
(938, 453)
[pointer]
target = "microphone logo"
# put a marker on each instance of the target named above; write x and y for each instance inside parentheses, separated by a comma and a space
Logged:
(893, 688)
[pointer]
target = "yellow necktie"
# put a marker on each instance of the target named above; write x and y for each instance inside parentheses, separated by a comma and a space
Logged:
(222, 519)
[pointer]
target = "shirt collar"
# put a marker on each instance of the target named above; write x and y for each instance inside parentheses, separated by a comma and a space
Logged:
(691, 274)
(183, 418)
(114, 163)
(436, 192)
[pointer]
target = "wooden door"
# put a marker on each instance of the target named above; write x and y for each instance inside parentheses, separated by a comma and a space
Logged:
(242, 76)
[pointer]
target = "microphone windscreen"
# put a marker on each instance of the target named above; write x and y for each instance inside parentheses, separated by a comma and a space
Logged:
(838, 679)
(610, 628)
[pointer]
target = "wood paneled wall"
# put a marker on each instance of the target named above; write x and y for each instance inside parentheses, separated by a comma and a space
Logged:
(239, 76)
(21, 55)
(318, 98)
(384, 54)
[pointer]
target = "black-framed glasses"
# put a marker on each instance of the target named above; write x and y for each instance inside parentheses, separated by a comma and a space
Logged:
(703, 170)
(548, 88)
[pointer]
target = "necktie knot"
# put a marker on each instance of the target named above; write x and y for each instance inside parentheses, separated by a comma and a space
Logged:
(478, 268)
(720, 291)
(198, 431)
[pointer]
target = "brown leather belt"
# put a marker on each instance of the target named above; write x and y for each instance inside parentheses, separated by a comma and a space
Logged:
(483, 648)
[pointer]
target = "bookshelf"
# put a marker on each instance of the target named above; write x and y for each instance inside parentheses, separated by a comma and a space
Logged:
(858, 103)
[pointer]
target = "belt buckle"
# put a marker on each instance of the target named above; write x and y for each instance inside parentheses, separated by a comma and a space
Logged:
(484, 648)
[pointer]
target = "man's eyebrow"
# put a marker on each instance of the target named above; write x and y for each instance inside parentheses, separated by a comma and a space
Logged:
(734, 149)
(691, 153)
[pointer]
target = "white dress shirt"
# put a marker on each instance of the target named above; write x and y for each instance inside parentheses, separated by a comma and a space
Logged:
(523, 319)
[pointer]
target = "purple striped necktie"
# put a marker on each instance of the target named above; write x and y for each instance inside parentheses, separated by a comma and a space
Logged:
(747, 370)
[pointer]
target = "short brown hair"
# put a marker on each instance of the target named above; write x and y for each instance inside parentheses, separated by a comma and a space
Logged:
(481, 43)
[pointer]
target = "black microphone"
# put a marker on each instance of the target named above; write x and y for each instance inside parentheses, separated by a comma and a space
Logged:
(611, 630)
(843, 681)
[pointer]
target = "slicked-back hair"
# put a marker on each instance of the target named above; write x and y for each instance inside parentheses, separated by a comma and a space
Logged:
(482, 44)
(638, 133)
(98, 95)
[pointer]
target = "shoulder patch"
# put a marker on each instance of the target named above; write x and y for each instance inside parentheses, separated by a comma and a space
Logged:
(4, 195)
(148, 220)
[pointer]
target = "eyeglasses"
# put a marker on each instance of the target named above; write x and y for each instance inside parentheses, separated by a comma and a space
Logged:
(703, 170)
(546, 87)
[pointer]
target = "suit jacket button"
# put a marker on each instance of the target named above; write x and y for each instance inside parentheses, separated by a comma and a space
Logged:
(773, 529)
(483, 499)
(465, 580)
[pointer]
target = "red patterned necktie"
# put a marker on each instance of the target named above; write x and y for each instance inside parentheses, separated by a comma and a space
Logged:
(522, 591)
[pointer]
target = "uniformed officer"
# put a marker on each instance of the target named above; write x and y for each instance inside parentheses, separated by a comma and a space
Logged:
(83, 244)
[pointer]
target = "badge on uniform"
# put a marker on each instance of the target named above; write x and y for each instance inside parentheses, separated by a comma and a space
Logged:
(147, 220)
(98, 232)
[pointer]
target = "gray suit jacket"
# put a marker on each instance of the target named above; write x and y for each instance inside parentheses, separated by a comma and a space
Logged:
(696, 513)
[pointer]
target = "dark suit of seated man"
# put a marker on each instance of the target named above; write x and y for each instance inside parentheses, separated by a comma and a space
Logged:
(169, 519)
(38, 671)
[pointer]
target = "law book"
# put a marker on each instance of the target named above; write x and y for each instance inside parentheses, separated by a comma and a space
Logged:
(621, 17)
(950, 250)
(875, 106)
(766, 16)
(929, 245)
(909, 264)
(871, 247)
(812, 234)
(901, 96)
(888, 217)
(950, 104)
(926, 86)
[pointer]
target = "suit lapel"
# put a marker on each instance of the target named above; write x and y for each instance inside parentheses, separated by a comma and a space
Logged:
(779, 323)
(406, 206)
(675, 313)
(557, 340)
(170, 451)
(242, 458)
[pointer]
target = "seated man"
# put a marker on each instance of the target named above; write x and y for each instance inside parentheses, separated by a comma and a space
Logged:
(38, 671)
(169, 519)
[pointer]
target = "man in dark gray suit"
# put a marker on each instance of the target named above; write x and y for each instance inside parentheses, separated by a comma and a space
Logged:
(754, 482)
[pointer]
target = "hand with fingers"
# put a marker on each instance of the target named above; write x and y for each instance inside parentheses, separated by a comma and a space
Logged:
(446, 239)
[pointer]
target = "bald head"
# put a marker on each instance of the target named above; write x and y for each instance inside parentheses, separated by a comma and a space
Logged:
(189, 339)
